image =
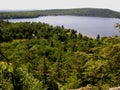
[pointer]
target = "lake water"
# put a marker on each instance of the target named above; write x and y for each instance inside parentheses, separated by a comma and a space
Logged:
(90, 26)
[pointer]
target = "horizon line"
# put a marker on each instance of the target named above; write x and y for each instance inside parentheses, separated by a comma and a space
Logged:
(7, 10)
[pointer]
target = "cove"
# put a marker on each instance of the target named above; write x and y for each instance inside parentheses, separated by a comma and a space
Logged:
(90, 26)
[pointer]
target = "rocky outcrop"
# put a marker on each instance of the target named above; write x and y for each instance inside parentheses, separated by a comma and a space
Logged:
(85, 88)
(115, 88)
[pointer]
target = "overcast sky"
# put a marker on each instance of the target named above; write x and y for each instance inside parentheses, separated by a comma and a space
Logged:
(58, 4)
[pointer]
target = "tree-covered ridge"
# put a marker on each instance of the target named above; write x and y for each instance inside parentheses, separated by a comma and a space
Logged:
(79, 12)
(37, 56)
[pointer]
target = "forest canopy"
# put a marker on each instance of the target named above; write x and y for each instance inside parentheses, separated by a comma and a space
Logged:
(38, 56)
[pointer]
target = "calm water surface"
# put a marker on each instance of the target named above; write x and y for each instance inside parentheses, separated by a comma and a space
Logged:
(90, 26)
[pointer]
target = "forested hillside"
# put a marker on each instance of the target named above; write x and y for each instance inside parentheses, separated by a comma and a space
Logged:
(37, 56)
(79, 12)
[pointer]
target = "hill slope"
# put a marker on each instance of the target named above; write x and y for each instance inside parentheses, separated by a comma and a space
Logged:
(80, 12)
(37, 56)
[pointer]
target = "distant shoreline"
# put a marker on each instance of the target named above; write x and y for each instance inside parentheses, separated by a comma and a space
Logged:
(92, 12)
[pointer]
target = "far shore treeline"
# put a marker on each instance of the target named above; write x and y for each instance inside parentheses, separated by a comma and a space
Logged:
(79, 12)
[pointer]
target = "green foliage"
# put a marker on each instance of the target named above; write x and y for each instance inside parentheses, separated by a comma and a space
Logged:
(117, 26)
(28, 82)
(73, 81)
(43, 57)
(5, 69)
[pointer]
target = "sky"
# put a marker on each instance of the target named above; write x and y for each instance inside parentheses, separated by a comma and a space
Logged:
(58, 4)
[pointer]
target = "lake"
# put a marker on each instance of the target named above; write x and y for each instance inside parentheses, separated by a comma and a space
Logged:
(90, 26)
